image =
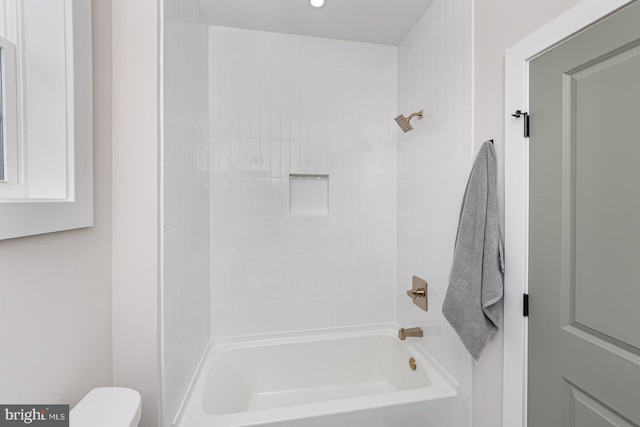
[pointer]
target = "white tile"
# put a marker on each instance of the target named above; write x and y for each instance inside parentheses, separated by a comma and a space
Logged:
(343, 197)
(434, 72)
(257, 160)
(274, 169)
(220, 194)
(255, 119)
(294, 121)
(303, 114)
(245, 197)
(170, 207)
(285, 108)
(246, 236)
(261, 276)
(225, 272)
(244, 101)
(305, 119)
(192, 319)
(306, 274)
(377, 197)
(375, 271)
(170, 262)
(285, 159)
(173, 380)
(220, 322)
(171, 330)
(466, 408)
(275, 199)
(186, 199)
(276, 115)
(307, 235)
(265, 157)
(295, 165)
(244, 157)
(265, 115)
(339, 274)
(376, 233)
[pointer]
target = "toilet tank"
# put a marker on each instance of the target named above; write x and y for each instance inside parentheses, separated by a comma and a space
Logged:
(107, 407)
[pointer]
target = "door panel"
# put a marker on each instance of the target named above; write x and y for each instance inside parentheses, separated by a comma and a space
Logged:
(588, 412)
(607, 200)
(584, 281)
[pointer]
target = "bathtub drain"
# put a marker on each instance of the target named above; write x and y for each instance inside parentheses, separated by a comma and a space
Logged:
(412, 364)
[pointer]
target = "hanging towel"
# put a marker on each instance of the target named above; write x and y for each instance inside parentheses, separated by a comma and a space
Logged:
(472, 304)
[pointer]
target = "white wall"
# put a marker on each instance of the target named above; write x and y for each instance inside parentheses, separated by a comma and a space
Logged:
(185, 180)
(434, 161)
(284, 104)
(55, 291)
(136, 198)
(498, 25)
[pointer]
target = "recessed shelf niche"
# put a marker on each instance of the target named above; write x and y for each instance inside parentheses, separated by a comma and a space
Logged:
(308, 194)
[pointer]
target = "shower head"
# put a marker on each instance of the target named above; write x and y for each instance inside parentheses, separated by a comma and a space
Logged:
(405, 122)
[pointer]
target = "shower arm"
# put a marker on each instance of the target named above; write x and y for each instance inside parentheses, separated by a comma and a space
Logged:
(419, 114)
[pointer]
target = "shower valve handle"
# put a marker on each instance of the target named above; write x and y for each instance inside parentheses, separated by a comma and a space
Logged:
(418, 292)
(415, 293)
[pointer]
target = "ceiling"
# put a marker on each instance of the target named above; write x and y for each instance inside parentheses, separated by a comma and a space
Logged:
(372, 21)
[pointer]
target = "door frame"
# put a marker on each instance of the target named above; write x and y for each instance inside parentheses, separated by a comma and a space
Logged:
(517, 58)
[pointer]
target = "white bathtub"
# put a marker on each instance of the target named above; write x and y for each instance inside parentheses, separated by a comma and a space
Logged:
(358, 377)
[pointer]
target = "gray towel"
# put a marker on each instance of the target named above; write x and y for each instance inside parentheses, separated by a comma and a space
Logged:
(473, 301)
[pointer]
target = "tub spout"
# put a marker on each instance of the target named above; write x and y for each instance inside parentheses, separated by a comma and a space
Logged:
(410, 332)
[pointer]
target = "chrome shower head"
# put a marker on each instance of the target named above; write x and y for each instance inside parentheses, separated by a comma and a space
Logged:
(405, 122)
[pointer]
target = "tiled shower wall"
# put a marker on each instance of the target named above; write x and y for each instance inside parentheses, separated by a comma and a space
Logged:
(185, 182)
(434, 161)
(281, 105)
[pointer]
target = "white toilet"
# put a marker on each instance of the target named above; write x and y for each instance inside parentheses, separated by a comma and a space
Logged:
(107, 407)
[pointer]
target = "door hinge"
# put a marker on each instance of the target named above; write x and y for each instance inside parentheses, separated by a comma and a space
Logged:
(518, 114)
(525, 305)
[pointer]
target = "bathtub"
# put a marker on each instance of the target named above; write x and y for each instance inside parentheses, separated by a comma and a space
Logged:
(343, 378)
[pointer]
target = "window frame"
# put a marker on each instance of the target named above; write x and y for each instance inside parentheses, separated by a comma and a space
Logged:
(12, 184)
(26, 216)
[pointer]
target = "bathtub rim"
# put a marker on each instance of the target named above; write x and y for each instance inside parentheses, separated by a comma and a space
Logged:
(440, 378)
